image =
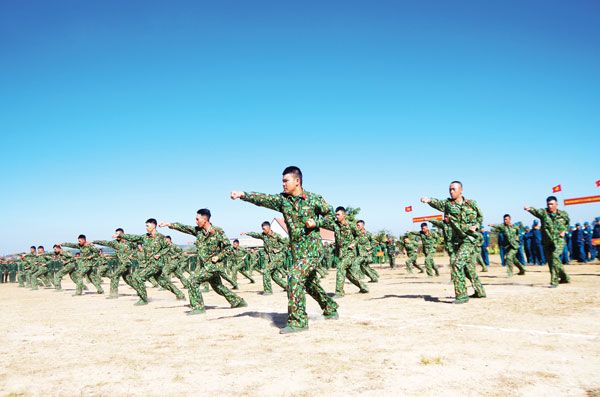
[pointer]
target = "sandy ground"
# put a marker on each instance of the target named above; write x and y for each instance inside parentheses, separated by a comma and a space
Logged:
(402, 338)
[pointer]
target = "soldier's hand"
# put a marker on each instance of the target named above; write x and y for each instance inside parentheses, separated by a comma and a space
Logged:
(526, 208)
(425, 200)
(237, 195)
(311, 224)
(473, 229)
(156, 256)
(490, 225)
(115, 235)
(163, 224)
(214, 259)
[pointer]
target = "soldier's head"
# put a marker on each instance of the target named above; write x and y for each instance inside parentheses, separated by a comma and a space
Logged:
(481, 228)
(40, 249)
(406, 239)
(292, 180)
(340, 214)
(81, 239)
(424, 227)
(119, 231)
(236, 243)
(202, 217)
(32, 249)
(527, 228)
(151, 225)
(507, 219)
(57, 248)
(455, 190)
(552, 204)
(78, 255)
(360, 225)
(578, 226)
(100, 252)
(168, 238)
(140, 247)
(266, 227)
(586, 225)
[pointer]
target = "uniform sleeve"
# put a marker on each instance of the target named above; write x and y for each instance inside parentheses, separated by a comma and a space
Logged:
(105, 243)
(183, 228)
(226, 244)
(537, 212)
(70, 245)
(437, 223)
(326, 212)
(439, 205)
(255, 235)
(496, 229)
(272, 201)
(132, 237)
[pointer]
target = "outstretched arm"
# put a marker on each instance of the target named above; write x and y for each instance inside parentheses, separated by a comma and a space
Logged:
(179, 227)
(272, 201)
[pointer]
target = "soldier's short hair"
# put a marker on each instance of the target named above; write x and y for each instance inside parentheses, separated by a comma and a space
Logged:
(551, 198)
(340, 209)
(120, 229)
(33, 246)
(41, 247)
(265, 223)
(236, 241)
(506, 215)
(81, 236)
(56, 246)
(169, 237)
(423, 224)
(292, 169)
(360, 221)
(204, 212)
(459, 182)
(152, 221)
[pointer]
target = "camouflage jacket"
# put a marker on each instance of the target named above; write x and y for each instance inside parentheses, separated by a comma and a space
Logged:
(89, 253)
(553, 224)
(345, 238)
(446, 231)
(365, 243)
(238, 254)
(296, 210)
(511, 235)
(272, 242)
(409, 247)
(462, 218)
(208, 244)
(428, 240)
(123, 249)
(154, 244)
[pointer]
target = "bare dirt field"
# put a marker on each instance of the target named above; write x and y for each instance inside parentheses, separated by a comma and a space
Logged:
(403, 338)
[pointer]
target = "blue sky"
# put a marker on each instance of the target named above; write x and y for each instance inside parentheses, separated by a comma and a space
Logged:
(111, 113)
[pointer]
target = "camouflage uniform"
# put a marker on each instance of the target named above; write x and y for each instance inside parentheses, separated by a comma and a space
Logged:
(510, 243)
(411, 253)
(365, 243)
(154, 245)
(29, 268)
(553, 224)
(209, 244)
(124, 251)
(103, 269)
(391, 252)
(464, 243)
(272, 242)
(68, 267)
(305, 246)
(85, 266)
(238, 259)
(41, 271)
(345, 246)
(428, 242)
(173, 266)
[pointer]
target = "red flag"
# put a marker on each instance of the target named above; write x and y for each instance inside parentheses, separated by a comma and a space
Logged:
(408, 209)
(426, 218)
(582, 200)
(556, 189)
(598, 182)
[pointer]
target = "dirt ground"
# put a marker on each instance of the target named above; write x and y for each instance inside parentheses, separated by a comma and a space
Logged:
(402, 338)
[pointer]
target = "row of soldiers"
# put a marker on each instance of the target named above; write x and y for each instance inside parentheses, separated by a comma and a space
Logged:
(304, 214)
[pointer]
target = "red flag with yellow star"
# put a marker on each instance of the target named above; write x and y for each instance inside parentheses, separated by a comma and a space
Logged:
(556, 189)
(408, 209)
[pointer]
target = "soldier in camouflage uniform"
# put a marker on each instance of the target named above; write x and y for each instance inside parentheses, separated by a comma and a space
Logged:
(238, 260)
(304, 213)
(391, 251)
(124, 251)
(411, 253)
(68, 266)
(345, 246)
(428, 240)
(555, 224)
(274, 246)
(24, 277)
(156, 251)
(213, 247)
(365, 243)
(465, 217)
(173, 266)
(103, 269)
(510, 244)
(85, 264)
(41, 270)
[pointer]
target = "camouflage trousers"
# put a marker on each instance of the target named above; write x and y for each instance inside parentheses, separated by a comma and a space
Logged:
(41, 273)
(362, 263)
(347, 268)
(87, 270)
(552, 252)
(173, 268)
(155, 270)
(430, 266)
(22, 278)
(69, 269)
(479, 261)
(510, 258)
(391, 259)
(213, 277)
(271, 272)
(238, 266)
(462, 264)
(412, 261)
(123, 270)
(103, 271)
(302, 278)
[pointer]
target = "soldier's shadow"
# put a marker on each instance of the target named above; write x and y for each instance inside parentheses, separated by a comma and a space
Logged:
(278, 320)
(426, 298)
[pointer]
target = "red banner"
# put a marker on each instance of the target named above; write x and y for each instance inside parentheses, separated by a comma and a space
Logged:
(582, 200)
(596, 241)
(556, 189)
(408, 209)
(426, 218)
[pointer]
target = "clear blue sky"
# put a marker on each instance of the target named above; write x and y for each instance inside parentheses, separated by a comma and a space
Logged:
(112, 112)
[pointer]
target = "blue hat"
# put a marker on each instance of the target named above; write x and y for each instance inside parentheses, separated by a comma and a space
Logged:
(586, 224)
(526, 227)
(535, 222)
(578, 224)
(598, 219)
(571, 227)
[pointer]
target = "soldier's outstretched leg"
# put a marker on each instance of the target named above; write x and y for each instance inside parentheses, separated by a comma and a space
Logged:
(363, 265)
(471, 274)
(462, 258)
(169, 286)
